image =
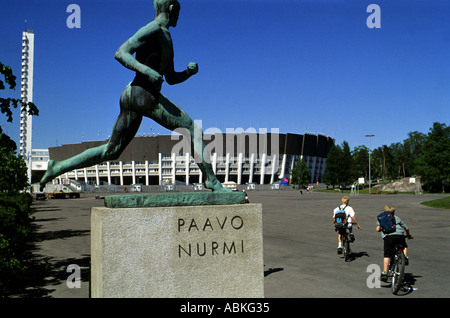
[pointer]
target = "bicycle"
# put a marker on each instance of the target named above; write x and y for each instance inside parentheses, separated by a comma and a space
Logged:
(397, 268)
(344, 233)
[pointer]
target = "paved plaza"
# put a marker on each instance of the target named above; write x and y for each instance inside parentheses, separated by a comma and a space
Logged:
(300, 245)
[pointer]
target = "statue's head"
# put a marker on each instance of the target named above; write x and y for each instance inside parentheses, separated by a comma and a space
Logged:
(169, 7)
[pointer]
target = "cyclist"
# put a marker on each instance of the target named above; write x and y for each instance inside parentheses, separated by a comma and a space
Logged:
(391, 239)
(350, 218)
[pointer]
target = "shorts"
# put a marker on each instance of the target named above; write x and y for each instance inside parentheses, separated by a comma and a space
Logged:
(342, 230)
(389, 244)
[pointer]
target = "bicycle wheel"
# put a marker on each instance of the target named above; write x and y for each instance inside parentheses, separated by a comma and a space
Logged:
(346, 248)
(398, 272)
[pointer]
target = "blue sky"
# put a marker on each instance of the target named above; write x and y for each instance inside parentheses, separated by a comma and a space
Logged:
(294, 65)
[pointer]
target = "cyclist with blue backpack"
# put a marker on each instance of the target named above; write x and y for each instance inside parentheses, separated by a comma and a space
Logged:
(343, 217)
(393, 231)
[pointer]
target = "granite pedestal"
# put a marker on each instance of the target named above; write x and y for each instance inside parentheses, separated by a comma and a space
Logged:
(211, 250)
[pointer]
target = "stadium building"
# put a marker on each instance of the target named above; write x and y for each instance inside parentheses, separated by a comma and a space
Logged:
(260, 158)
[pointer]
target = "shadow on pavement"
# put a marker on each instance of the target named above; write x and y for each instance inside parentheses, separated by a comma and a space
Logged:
(44, 272)
(272, 270)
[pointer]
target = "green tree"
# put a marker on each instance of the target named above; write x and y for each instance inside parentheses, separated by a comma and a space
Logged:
(331, 175)
(360, 156)
(14, 206)
(377, 163)
(15, 230)
(13, 172)
(434, 163)
(418, 155)
(413, 149)
(399, 158)
(389, 163)
(6, 103)
(338, 169)
(347, 172)
(301, 175)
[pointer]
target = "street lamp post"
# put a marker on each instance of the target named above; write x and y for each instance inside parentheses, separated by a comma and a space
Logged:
(370, 178)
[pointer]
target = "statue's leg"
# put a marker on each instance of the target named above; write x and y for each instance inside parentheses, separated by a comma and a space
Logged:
(125, 127)
(85, 159)
(171, 116)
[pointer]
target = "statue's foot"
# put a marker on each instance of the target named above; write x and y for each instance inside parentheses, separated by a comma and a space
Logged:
(216, 186)
(48, 176)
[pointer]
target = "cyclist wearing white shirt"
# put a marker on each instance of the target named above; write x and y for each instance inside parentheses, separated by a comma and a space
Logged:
(350, 218)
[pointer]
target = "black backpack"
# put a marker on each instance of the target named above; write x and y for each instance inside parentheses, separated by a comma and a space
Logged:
(387, 222)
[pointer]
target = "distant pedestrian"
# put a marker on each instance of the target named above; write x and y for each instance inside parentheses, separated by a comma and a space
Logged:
(246, 197)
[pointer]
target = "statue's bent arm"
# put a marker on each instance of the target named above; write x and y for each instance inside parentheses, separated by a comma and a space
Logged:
(125, 52)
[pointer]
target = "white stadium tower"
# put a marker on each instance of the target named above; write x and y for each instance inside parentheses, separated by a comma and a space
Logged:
(27, 96)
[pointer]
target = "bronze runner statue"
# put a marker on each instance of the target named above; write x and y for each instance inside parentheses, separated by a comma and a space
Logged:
(153, 60)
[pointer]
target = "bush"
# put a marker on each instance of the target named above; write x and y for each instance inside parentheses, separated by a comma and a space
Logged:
(15, 228)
